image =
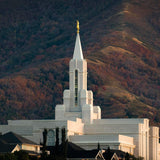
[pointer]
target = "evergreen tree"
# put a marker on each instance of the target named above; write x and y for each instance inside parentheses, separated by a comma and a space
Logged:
(57, 140)
(108, 150)
(2, 157)
(9, 156)
(44, 154)
(98, 146)
(44, 137)
(21, 155)
(63, 136)
(66, 149)
(127, 156)
(64, 143)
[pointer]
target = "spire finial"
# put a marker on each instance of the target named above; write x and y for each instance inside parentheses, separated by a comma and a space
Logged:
(78, 49)
(77, 26)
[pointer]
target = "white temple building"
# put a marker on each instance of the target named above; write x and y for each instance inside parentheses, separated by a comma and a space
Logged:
(83, 122)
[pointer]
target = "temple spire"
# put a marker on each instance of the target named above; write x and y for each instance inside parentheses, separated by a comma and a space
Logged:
(78, 49)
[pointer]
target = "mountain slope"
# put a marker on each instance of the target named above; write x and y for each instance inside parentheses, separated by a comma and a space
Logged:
(120, 41)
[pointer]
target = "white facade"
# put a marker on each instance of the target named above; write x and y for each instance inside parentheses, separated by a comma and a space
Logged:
(154, 143)
(78, 101)
(83, 122)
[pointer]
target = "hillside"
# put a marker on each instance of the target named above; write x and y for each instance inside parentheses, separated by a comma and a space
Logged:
(120, 40)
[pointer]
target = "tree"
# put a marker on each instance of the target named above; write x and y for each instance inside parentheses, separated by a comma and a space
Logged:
(45, 137)
(2, 157)
(108, 149)
(127, 156)
(44, 153)
(21, 155)
(57, 140)
(98, 146)
(63, 136)
(64, 143)
(9, 156)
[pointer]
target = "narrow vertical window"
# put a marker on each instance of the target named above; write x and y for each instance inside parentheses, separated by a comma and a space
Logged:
(51, 138)
(76, 87)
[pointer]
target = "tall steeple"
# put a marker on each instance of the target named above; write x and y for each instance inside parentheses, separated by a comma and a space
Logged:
(78, 49)
(77, 100)
(78, 75)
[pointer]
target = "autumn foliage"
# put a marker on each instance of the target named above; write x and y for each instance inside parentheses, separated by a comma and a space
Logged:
(120, 40)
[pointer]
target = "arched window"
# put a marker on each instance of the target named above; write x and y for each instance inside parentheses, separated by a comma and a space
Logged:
(50, 138)
(76, 87)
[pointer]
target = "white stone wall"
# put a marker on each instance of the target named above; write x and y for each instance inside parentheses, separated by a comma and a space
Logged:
(136, 128)
(87, 113)
(75, 127)
(154, 143)
(59, 112)
(113, 141)
(32, 129)
(83, 97)
(21, 130)
(158, 151)
(97, 112)
(81, 66)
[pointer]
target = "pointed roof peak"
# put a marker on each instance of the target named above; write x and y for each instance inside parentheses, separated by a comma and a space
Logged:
(78, 48)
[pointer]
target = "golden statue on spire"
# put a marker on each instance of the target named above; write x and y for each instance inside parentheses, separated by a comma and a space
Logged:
(77, 26)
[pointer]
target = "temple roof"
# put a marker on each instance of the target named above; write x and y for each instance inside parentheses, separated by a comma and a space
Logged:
(78, 49)
(13, 138)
